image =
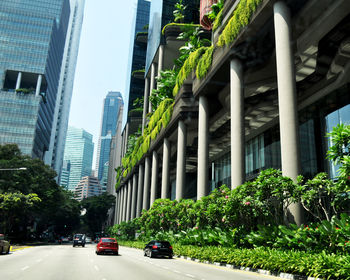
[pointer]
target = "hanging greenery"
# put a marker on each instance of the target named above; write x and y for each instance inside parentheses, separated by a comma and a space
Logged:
(189, 65)
(204, 63)
(240, 18)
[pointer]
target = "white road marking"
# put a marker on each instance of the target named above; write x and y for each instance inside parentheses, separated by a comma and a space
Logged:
(190, 275)
(165, 267)
(96, 267)
(176, 271)
(26, 267)
(38, 260)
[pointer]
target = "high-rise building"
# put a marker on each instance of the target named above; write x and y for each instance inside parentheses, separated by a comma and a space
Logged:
(54, 156)
(32, 39)
(78, 151)
(88, 186)
(136, 83)
(111, 106)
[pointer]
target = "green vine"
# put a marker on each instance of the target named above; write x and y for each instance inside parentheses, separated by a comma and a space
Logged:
(240, 18)
(204, 63)
(189, 65)
(179, 25)
(218, 20)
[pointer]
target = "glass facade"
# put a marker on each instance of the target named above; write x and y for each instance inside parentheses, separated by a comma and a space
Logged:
(112, 104)
(160, 15)
(32, 37)
(78, 152)
(315, 121)
(136, 86)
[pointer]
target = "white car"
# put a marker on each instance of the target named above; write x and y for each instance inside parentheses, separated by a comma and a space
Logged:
(88, 240)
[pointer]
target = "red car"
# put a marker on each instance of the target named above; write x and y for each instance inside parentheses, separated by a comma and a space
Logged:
(107, 245)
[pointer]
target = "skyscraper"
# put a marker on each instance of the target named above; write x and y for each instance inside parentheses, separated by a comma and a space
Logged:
(32, 39)
(78, 152)
(111, 106)
(54, 156)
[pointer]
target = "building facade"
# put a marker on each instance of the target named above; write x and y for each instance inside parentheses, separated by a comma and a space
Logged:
(78, 153)
(267, 99)
(32, 36)
(111, 106)
(54, 156)
(88, 186)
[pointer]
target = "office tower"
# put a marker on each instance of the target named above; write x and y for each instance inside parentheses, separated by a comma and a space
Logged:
(32, 39)
(88, 186)
(137, 62)
(54, 156)
(78, 151)
(111, 106)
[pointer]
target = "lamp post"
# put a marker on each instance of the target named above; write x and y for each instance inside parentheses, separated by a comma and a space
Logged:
(13, 169)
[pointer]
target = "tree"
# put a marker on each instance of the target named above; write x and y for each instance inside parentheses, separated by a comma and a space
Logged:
(96, 211)
(56, 206)
(14, 208)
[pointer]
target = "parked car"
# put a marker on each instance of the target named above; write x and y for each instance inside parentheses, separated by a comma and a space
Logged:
(158, 248)
(88, 240)
(4, 245)
(64, 239)
(79, 240)
(107, 245)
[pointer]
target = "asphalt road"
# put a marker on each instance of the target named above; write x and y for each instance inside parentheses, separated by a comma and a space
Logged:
(63, 262)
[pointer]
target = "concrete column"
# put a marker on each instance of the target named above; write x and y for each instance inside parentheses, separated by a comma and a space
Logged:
(122, 205)
(146, 184)
(119, 206)
(116, 216)
(152, 84)
(237, 124)
(181, 159)
(128, 203)
(203, 147)
(133, 195)
(139, 192)
(154, 179)
(19, 79)
(125, 204)
(160, 59)
(38, 85)
(145, 103)
(287, 99)
(165, 170)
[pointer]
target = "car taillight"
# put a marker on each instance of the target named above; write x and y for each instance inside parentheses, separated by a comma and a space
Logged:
(170, 247)
(154, 247)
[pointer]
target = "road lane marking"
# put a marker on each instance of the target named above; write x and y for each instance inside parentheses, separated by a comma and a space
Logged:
(96, 267)
(176, 271)
(24, 268)
(190, 275)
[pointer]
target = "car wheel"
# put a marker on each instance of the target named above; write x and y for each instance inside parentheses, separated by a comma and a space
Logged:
(151, 255)
(144, 254)
(97, 253)
(170, 256)
(73, 245)
(8, 250)
(83, 245)
(117, 253)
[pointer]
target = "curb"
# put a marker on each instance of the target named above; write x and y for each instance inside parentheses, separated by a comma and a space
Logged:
(250, 269)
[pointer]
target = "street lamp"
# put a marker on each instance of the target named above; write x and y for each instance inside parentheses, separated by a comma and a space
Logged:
(12, 169)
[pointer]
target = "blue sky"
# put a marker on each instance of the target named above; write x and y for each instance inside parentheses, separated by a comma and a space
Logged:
(102, 61)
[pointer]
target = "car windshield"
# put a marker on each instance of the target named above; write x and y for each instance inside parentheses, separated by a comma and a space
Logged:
(104, 240)
(80, 236)
(164, 243)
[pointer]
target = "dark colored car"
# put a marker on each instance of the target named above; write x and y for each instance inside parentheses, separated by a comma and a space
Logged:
(107, 245)
(158, 248)
(79, 240)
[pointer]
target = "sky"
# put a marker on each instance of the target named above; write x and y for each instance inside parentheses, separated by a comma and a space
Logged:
(102, 61)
